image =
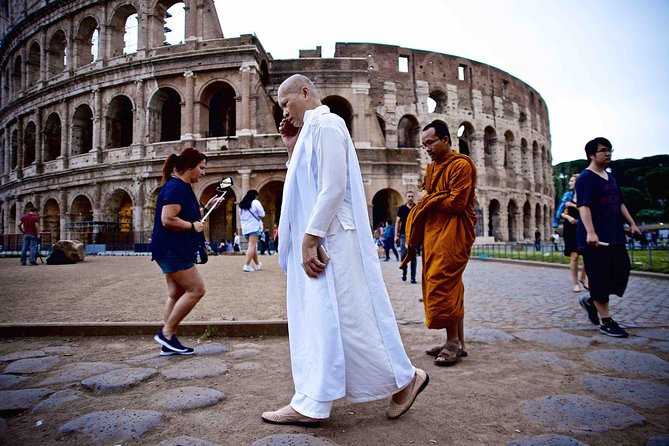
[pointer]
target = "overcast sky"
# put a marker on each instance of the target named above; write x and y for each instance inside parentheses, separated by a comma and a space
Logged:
(602, 66)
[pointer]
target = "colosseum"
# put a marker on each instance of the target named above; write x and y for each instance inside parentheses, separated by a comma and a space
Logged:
(93, 99)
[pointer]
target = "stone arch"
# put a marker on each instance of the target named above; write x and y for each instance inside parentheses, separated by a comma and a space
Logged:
(29, 140)
(17, 75)
(538, 217)
(82, 130)
(526, 162)
(440, 99)
(12, 218)
(14, 150)
(527, 221)
(52, 137)
(342, 108)
(382, 126)
(465, 138)
(120, 210)
(408, 131)
(546, 217)
(509, 160)
(51, 219)
(117, 29)
(81, 211)
(478, 228)
(33, 64)
(384, 206)
(495, 220)
(512, 212)
(86, 50)
(174, 21)
(57, 53)
(536, 166)
(119, 122)
(165, 115)
(218, 116)
(270, 195)
(489, 146)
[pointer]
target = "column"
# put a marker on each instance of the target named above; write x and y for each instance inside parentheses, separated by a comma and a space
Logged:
(244, 125)
(64, 208)
(42, 56)
(188, 130)
(39, 140)
(65, 133)
(140, 118)
(97, 125)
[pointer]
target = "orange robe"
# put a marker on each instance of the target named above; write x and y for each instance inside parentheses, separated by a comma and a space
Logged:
(443, 222)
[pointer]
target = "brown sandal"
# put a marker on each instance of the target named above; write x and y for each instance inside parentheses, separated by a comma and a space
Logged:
(448, 356)
(434, 351)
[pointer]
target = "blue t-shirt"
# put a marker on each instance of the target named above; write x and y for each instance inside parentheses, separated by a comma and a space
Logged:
(604, 199)
(181, 243)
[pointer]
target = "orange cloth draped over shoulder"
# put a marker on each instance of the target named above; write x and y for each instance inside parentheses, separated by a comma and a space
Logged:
(443, 222)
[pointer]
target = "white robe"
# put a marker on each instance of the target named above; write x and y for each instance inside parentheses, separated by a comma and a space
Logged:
(344, 339)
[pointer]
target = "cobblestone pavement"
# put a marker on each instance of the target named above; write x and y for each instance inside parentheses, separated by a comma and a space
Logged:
(538, 373)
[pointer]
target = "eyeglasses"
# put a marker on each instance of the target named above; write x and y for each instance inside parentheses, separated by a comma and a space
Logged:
(605, 151)
(430, 142)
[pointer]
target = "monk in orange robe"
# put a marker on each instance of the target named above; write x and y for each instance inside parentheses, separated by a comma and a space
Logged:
(443, 222)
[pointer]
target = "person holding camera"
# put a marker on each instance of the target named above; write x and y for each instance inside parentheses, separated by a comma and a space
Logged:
(176, 235)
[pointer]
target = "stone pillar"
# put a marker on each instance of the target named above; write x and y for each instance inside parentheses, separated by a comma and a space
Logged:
(244, 125)
(65, 132)
(188, 131)
(39, 140)
(64, 209)
(103, 53)
(97, 125)
(70, 47)
(21, 147)
(390, 105)
(362, 124)
(246, 181)
(43, 70)
(190, 9)
(139, 113)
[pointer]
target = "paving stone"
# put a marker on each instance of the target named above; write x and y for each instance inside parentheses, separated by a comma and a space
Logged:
(32, 365)
(61, 349)
(601, 338)
(7, 381)
(292, 440)
(58, 399)
(118, 380)
(245, 366)
(185, 398)
(546, 440)
(81, 370)
(194, 368)
(549, 359)
(244, 353)
(22, 355)
(3, 426)
(580, 414)
(111, 426)
(243, 345)
(487, 335)
(630, 362)
(659, 334)
(635, 391)
(659, 441)
(187, 441)
(662, 346)
(554, 337)
(211, 348)
(17, 401)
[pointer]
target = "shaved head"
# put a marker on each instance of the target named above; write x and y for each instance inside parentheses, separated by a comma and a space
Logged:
(297, 94)
(295, 83)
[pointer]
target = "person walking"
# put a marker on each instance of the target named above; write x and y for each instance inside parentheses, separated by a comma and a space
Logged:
(29, 226)
(250, 214)
(400, 234)
(444, 223)
(568, 211)
(600, 236)
(389, 242)
(176, 234)
(344, 340)
(537, 239)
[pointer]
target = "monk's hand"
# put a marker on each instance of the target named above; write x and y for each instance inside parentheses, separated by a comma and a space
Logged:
(310, 263)
(289, 134)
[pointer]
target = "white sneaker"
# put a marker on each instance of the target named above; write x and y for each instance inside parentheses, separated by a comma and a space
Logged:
(259, 267)
(248, 269)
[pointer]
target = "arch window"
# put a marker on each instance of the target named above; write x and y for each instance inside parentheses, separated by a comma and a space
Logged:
(342, 108)
(436, 103)
(57, 53)
(489, 145)
(86, 43)
(52, 136)
(123, 31)
(512, 210)
(219, 114)
(165, 115)
(119, 122)
(384, 206)
(51, 218)
(29, 144)
(82, 130)
(509, 162)
(33, 64)
(16, 75)
(14, 150)
(408, 132)
(494, 220)
(465, 135)
(175, 24)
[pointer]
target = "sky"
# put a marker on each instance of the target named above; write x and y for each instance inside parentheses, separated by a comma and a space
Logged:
(601, 66)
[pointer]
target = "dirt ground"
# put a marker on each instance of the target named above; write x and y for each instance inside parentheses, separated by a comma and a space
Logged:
(477, 402)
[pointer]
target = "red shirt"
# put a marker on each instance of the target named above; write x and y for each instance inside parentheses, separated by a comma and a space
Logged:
(30, 222)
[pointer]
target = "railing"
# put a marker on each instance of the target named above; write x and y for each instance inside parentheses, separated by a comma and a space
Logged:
(654, 259)
(12, 243)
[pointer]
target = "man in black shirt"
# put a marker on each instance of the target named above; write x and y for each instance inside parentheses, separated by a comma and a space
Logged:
(400, 235)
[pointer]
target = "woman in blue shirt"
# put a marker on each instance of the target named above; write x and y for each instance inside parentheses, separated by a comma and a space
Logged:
(568, 211)
(176, 234)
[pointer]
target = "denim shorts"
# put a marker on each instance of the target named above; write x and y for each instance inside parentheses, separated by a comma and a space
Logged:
(258, 233)
(171, 263)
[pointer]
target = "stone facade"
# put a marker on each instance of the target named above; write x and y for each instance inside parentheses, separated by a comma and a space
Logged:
(83, 136)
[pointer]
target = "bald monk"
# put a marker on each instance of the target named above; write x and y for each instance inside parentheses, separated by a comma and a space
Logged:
(443, 222)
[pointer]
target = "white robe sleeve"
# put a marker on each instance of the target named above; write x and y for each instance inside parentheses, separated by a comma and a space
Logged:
(330, 149)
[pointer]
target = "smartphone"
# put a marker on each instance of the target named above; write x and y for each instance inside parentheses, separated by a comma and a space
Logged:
(322, 254)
